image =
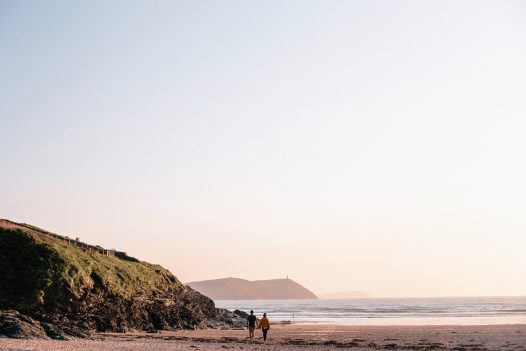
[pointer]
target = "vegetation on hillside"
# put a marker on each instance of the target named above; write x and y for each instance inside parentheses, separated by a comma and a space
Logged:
(59, 280)
(32, 263)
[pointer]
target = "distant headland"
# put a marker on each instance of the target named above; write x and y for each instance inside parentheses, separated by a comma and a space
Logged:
(241, 289)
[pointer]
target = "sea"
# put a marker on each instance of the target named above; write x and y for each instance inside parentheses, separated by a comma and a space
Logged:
(389, 311)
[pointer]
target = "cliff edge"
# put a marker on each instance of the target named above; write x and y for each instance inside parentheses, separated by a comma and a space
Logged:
(76, 288)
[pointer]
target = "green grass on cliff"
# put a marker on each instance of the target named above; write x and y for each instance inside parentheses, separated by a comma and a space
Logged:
(33, 264)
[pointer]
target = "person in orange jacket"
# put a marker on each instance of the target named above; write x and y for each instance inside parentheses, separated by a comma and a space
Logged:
(264, 325)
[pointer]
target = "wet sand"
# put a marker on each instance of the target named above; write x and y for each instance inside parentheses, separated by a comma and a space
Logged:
(300, 337)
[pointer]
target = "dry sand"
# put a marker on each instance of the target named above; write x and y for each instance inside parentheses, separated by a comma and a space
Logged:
(300, 337)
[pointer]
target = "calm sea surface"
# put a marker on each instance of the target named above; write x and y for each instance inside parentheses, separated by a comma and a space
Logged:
(406, 311)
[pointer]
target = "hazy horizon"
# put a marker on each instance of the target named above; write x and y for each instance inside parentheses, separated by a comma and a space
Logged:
(351, 145)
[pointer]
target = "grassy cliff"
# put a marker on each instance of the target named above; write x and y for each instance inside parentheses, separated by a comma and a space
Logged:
(63, 281)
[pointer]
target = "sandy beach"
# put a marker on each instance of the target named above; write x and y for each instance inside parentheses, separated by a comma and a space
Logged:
(300, 337)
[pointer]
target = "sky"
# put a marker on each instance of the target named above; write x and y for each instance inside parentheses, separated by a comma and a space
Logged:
(351, 145)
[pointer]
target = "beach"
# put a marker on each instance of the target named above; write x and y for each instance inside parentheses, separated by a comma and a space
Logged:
(300, 337)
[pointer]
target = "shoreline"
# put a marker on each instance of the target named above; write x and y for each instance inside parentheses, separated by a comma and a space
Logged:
(406, 321)
(510, 337)
(390, 311)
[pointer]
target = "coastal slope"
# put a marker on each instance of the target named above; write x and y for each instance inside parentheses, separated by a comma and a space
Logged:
(241, 289)
(82, 288)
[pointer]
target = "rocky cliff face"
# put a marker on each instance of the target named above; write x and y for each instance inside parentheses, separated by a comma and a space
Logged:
(81, 288)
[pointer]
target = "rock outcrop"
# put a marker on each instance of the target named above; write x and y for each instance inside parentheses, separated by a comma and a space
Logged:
(72, 289)
(241, 289)
(19, 326)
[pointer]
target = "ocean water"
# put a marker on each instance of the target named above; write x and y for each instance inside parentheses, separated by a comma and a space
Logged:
(393, 311)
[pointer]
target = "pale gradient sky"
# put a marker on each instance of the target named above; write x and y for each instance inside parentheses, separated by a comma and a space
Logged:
(353, 145)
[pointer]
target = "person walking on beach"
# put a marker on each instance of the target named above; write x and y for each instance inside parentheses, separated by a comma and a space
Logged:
(251, 325)
(264, 325)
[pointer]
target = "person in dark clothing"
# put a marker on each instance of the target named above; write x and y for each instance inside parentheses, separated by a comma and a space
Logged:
(251, 325)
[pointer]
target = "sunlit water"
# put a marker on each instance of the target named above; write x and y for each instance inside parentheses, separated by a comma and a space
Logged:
(406, 311)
